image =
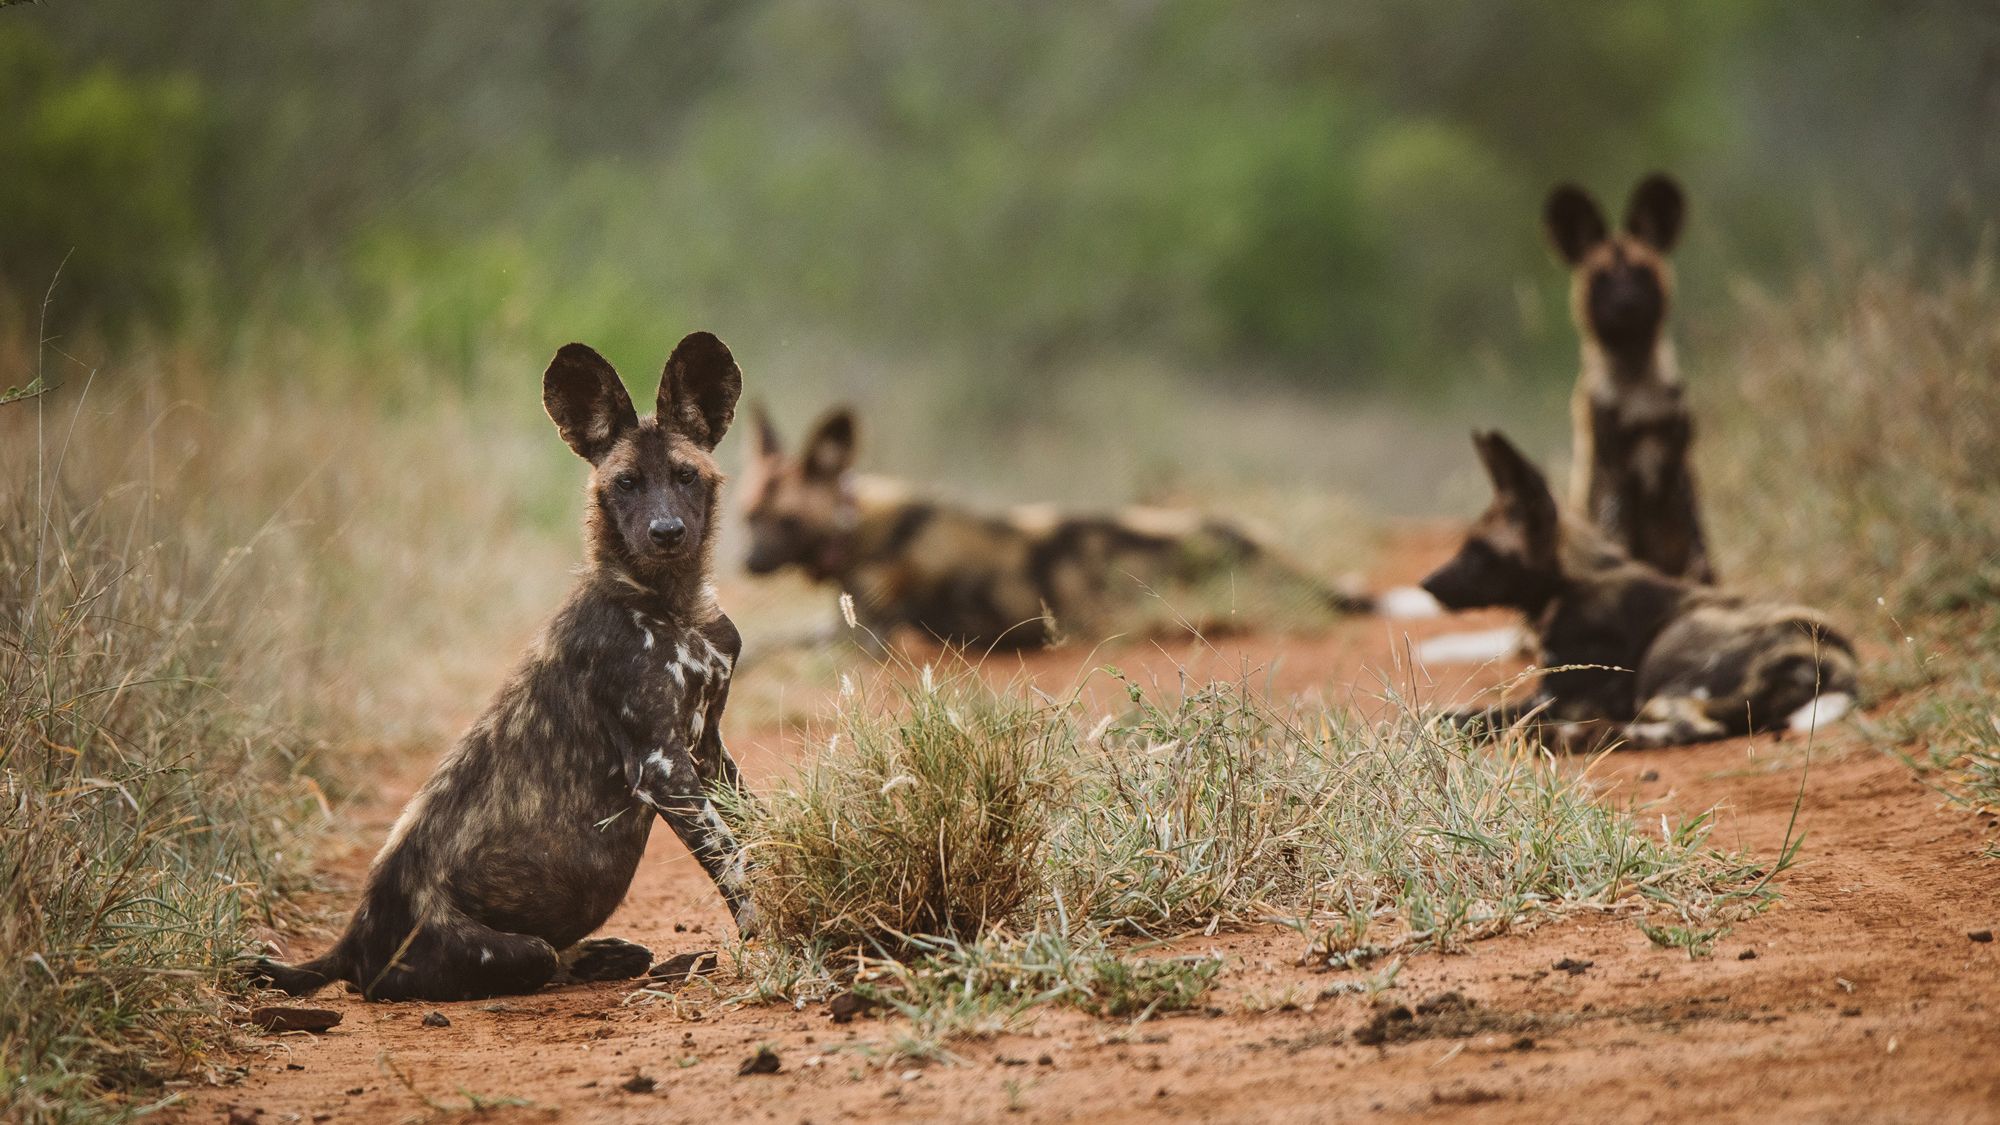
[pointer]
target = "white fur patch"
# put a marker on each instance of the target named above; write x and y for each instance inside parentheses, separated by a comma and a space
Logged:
(1824, 709)
(640, 621)
(656, 762)
(712, 820)
(1472, 648)
(736, 873)
(485, 955)
(1404, 603)
(1160, 523)
(695, 724)
(1035, 519)
(1649, 734)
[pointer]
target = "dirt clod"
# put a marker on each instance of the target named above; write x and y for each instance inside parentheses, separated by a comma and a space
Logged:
(848, 1005)
(1650, 775)
(1446, 1015)
(436, 1019)
(1747, 955)
(1470, 1095)
(639, 1084)
(1571, 966)
(294, 1019)
(1981, 935)
(765, 1061)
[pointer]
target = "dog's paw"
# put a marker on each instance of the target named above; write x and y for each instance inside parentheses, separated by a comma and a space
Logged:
(605, 959)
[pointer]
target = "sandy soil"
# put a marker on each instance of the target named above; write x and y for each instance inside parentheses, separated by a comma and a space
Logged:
(1860, 997)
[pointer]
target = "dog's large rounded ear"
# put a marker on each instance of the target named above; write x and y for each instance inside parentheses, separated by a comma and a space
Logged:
(1498, 455)
(829, 452)
(1521, 487)
(764, 441)
(587, 401)
(1510, 469)
(1574, 223)
(1653, 216)
(699, 389)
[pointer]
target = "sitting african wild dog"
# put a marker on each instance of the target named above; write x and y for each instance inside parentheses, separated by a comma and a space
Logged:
(1631, 653)
(1630, 471)
(528, 834)
(966, 578)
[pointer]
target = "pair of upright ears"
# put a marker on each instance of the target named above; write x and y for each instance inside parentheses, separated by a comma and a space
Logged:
(829, 448)
(1653, 216)
(697, 398)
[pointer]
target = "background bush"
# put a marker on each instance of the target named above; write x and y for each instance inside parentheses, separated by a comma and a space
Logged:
(1340, 197)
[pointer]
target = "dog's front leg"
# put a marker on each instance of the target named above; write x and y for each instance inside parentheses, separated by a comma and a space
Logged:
(670, 783)
(1491, 722)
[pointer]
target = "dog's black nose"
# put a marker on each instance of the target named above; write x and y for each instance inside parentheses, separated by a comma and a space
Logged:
(667, 532)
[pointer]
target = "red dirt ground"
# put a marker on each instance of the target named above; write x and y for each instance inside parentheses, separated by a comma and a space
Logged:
(1859, 997)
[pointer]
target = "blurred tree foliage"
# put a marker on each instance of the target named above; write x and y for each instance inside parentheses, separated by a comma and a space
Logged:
(98, 175)
(1338, 192)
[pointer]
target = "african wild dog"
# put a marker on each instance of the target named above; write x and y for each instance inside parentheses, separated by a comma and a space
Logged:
(527, 836)
(1631, 652)
(989, 581)
(1630, 470)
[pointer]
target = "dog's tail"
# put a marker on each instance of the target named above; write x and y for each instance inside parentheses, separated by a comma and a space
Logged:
(301, 979)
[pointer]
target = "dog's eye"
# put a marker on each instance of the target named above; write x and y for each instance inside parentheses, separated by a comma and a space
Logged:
(685, 474)
(626, 482)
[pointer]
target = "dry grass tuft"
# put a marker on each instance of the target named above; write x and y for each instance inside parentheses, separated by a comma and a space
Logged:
(926, 820)
(982, 851)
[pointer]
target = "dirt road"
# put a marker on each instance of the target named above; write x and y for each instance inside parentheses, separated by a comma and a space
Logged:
(1863, 996)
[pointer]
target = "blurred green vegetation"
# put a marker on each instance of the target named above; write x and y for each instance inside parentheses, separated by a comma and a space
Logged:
(1334, 194)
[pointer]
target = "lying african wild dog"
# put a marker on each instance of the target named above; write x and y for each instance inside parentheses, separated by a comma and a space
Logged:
(527, 836)
(973, 579)
(1630, 470)
(1631, 652)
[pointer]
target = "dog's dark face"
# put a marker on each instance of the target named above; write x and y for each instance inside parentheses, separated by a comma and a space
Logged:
(1622, 282)
(1512, 555)
(654, 482)
(800, 510)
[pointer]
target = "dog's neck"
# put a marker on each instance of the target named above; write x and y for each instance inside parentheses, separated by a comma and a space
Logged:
(687, 596)
(1607, 372)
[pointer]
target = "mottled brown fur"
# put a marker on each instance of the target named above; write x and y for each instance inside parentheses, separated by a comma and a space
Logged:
(1630, 467)
(1632, 654)
(526, 837)
(1003, 580)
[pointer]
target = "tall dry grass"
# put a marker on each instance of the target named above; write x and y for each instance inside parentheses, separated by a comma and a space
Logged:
(151, 788)
(1855, 462)
(224, 597)
(1856, 452)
